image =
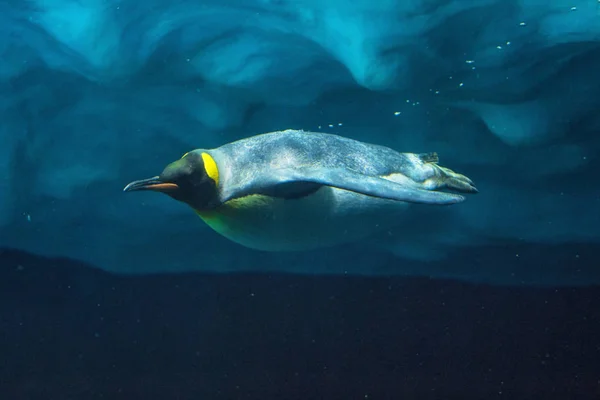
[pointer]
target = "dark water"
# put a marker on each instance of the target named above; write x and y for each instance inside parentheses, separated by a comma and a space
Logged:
(69, 331)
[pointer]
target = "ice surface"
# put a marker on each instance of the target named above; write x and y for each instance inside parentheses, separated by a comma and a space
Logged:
(96, 93)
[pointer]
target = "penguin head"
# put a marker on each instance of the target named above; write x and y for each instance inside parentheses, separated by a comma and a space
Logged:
(193, 179)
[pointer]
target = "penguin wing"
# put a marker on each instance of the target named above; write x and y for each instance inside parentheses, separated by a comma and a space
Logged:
(294, 182)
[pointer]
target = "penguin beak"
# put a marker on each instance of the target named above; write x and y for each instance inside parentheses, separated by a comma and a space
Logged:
(153, 183)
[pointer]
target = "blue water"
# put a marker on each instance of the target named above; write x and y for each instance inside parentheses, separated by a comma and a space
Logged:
(107, 295)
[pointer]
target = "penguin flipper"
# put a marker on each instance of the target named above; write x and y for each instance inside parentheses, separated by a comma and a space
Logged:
(295, 180)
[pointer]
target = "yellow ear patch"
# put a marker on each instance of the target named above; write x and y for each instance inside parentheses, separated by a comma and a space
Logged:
(211, 167)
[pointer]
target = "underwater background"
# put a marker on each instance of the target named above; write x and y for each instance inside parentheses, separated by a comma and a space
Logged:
(70, 331)
(106, 295)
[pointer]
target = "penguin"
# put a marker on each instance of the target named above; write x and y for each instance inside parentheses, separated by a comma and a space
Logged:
(294, 190)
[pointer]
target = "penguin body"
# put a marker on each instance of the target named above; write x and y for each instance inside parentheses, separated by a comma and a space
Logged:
(294, 190)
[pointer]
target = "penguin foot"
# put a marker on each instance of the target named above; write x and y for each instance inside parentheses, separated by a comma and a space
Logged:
(446, 178)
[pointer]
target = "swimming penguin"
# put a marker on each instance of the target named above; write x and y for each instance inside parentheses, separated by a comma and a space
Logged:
(294, 190)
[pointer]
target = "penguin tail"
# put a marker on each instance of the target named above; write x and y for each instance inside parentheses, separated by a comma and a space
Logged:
(429, 158)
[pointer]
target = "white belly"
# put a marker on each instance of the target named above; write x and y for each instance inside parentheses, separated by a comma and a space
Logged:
(326, 218)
